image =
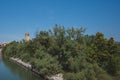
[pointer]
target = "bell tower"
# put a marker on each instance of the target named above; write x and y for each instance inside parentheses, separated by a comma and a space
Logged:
(27, 37)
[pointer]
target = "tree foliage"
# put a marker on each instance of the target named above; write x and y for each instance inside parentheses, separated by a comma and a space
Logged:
(70, 51)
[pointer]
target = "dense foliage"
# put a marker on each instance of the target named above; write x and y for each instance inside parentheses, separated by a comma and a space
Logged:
(69, 51)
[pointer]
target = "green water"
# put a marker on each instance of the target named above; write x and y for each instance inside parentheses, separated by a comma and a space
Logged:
(12, 71)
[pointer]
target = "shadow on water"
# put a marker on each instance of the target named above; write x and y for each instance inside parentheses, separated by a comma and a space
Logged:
(17, 72)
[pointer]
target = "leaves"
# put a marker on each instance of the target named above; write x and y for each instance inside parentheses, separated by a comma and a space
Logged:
(79, 56)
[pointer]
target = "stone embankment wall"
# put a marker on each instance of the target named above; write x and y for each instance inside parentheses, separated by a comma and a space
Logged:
(56, 77)
(27, 65)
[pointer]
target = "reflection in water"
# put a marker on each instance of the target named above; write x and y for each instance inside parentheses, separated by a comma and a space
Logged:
(12, 71)
(0, 55)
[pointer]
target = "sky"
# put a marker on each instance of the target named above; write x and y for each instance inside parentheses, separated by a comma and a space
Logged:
(20, 16)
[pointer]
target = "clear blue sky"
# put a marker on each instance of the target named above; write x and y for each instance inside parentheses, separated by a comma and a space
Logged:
(20, 16)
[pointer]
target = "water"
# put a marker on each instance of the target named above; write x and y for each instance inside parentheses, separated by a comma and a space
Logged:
(12, 71)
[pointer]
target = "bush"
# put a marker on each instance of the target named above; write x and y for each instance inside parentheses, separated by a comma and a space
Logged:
(74, 76)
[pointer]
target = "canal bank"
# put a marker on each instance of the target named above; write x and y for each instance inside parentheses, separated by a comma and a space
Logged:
(25, 66)
(29, 67)
(12, 71)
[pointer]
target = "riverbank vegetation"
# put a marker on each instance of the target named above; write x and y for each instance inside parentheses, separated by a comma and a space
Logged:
(71, 52)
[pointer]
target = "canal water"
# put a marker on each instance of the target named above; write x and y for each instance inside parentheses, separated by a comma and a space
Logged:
(12, 71)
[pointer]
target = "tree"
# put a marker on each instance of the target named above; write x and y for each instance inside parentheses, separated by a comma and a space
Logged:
(44, 63)
(78, 56)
